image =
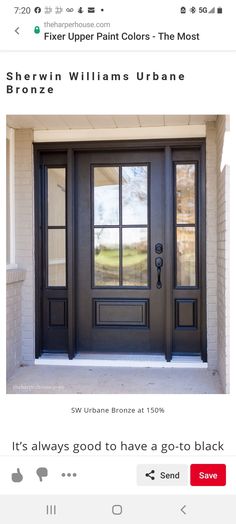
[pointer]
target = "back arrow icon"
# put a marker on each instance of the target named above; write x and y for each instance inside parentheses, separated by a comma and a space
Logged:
(183, 510)
(17, 30)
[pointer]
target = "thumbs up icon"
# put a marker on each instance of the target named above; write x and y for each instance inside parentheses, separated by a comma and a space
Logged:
(17, 477)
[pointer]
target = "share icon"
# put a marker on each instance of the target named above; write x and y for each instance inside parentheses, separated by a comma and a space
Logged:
(151, 474)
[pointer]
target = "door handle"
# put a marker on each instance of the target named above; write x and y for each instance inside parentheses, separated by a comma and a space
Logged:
(159, 264)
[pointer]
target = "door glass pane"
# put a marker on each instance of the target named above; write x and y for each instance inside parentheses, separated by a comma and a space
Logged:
(186, 274)
(56, 196)
(135, 257)
(134, 195)
(56, 257)
(185, 194)
(106, 196)
(106, 256)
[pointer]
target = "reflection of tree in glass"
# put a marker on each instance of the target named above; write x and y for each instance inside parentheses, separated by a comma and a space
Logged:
(106, 242)
(135, 257)
(185, 193)
(186, 256)
(134, 194)
(98, 234)
(106, 195)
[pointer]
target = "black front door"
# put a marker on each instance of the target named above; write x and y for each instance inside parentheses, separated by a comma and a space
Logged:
(120, 248)
(120, 239)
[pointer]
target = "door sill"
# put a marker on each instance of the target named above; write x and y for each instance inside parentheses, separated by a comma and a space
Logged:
(126, 361)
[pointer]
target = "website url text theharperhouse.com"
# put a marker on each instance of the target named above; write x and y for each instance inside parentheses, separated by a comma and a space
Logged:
(65, 25)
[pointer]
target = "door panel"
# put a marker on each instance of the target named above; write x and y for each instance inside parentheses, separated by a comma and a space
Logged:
(120, 198)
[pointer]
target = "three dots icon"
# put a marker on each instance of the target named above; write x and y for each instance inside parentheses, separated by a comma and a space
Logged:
(69, 475)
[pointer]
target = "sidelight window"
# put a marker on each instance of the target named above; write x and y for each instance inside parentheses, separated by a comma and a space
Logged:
(120, 224)
(56, 213)
(185, 183)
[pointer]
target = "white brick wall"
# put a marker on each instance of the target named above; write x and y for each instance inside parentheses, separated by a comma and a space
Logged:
(25, 235)
(211, 244)
(217, 251)
(14, 311)
(222, 255)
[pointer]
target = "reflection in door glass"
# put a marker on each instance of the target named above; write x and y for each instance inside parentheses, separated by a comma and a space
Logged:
(134, 195)
(56, 257)
(186, 273)
(56, 196)
(185, 193)
(135, 257)
(106, 196)
(106, 256)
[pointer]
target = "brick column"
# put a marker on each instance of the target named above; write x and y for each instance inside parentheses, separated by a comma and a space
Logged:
(15, 277)
(25, 236)
(222, 255)
(211, 244)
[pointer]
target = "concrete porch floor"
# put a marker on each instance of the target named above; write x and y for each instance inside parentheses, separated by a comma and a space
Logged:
(110, 380)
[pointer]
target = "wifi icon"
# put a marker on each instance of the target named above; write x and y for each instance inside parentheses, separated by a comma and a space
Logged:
(213, 10)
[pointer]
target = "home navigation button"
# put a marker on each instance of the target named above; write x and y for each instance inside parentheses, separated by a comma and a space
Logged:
(117, 509)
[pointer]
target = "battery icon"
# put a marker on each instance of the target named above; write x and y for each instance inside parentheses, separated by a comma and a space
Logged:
(219, 10)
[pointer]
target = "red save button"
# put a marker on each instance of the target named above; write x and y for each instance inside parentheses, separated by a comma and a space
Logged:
(208, 474)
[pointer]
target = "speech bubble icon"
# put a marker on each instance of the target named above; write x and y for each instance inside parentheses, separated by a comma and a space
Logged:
(42, 472)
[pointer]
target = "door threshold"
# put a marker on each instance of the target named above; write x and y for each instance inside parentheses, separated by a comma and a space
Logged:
(118, 360)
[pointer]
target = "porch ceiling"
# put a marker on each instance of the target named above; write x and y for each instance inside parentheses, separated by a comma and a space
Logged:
(69, 122)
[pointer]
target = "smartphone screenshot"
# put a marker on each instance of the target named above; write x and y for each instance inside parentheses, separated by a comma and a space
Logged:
(117, 381)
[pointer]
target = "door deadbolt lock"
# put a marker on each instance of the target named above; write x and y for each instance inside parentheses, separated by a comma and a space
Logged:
(159, 248)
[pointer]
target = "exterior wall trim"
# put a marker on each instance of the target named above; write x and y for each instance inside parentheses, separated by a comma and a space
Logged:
(118, 145)
(140, 133)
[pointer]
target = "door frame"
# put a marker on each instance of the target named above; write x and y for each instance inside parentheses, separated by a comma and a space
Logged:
(71, 148)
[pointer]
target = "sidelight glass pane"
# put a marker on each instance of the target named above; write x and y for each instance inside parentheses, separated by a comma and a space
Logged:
(106, 256)
(56, 196)
(135, 258)
(186, 256)
(56, 257)
(185, 193)
(106, 196)
(134, 195)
